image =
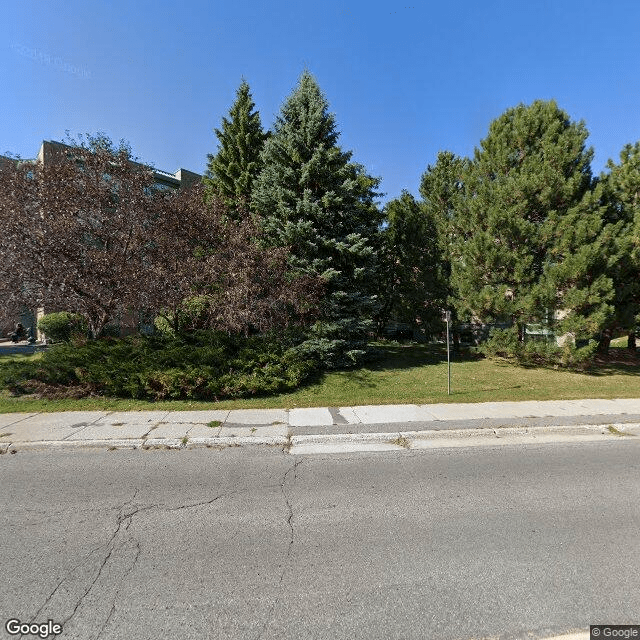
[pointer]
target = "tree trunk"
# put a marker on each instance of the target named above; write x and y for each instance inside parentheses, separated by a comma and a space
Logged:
(605, 341)
(631, 341)
(456, 338)
(98, 324)
(175, 321)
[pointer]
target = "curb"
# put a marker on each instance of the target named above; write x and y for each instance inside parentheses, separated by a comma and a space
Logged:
(150, 443)
(389, 441)
(488, 433)
(457, 438)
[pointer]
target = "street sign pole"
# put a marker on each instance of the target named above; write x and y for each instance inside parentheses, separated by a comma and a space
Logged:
(448, 356)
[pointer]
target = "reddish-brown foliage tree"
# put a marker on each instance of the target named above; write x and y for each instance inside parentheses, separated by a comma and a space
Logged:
(89, 234)
(211, 270)
(11, 280)
(79, 228)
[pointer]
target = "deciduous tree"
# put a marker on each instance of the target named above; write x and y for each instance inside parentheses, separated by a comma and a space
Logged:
(210, 271)
(90, 234)
(77, 230)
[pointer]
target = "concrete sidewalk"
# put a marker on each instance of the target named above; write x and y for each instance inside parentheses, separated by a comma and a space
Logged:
(401, 426)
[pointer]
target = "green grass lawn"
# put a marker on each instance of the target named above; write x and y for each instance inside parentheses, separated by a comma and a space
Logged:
(405, 374)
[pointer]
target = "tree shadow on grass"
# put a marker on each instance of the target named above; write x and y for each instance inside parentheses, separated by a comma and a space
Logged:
(619, 361)
(409, 356)
(612, 370)
(394, 356)
(358, 377)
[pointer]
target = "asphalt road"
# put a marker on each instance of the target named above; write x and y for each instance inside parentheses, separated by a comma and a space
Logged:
(249, 543)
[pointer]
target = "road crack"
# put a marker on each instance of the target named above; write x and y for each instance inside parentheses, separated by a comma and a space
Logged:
(123, 520)
(285, 565)
(108, 620)
(121, 540)
(122, 581)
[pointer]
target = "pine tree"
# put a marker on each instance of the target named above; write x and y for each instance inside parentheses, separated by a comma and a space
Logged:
(413, 286)
(621, 199)
(529, 172)
(577, 277)
(441, 188)
(232, 171)
(313, 198)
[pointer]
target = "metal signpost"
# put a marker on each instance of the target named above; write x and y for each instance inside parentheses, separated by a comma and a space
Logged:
(448, 317)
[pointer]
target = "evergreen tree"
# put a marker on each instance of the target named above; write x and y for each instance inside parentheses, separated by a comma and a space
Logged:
(441, 188)
(413, 287)
(312, 198)
(621, 199)
(529, 173)
(576, 280)
(232, 171)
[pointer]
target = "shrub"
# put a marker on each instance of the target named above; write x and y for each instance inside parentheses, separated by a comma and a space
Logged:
(110, 330)
(334, 354)
(504, 343)
(14, 375)
(163, 326)
(191, 315)
(578, 358)
(60, 327)
(204, 365)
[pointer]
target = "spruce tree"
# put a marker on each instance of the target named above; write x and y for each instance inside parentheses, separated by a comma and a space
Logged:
(528, 174)
(232, 171)
(313, 198)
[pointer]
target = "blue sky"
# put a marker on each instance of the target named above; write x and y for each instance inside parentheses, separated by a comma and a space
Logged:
(404, 80)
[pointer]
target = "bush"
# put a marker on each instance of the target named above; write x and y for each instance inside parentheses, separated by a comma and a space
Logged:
(204, 365)
(578, 357)
(163, 326)
(110, 330)
(335, 354)
(504, 343)
(60, 327)
(191, 315)
(15, 374)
